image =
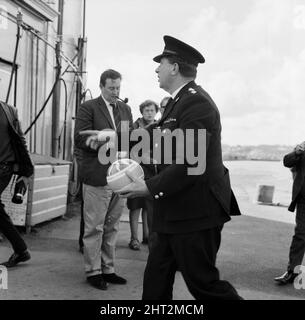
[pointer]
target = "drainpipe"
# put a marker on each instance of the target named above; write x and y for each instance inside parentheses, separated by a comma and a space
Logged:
(57, 91)
(81, 43)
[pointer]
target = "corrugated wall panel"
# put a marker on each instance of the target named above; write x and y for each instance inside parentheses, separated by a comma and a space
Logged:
(48, 214)
(50, 171)
(48, 192)
(49, 203)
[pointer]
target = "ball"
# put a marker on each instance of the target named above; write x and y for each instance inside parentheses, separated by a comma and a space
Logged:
(116, 175)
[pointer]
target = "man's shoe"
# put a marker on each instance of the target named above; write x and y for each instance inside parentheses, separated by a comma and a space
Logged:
(286, 278)
(81, 250)
(16, 258)
(97, 282)
(113, 278)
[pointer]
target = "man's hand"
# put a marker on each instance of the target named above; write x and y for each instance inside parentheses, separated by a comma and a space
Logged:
(137, 188)
(300, 148)
(97, 138)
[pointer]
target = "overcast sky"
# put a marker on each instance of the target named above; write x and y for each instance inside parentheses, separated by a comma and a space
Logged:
(254, 51)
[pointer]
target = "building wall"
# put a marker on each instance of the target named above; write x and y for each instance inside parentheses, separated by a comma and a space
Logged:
(36, 73)
(72, 30)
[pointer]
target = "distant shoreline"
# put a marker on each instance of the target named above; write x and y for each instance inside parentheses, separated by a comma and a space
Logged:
(270, 160)
(255, 153)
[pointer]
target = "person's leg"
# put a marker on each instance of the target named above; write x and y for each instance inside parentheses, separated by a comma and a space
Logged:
(160, 271)
(134, 221)
(96, 202)
(111, 228)
(134, 243)
(6, 225)
(82, 223)
(297, 247)
(195, 254)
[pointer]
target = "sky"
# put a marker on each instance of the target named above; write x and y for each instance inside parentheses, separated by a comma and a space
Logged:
(254, 52)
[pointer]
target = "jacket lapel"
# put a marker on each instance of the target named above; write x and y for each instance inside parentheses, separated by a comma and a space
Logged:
(171, 105)
(167, 110)
(105, 111)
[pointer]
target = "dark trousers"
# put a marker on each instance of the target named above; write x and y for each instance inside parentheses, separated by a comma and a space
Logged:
(6, 224)
(149, 209)
(195, 256)
(297, 247)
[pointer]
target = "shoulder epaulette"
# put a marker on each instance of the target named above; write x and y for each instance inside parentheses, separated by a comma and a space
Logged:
(192, 90)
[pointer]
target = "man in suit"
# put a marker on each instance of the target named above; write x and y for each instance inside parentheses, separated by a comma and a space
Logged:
(102, 208)
(296, 162)
(14, 158)
(189, 210)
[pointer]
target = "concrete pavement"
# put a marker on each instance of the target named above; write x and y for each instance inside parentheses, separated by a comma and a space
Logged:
(253, 251)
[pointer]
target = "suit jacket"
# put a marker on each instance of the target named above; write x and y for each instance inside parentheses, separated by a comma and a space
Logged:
(94, 115)
(297, 165)
(188, 202)
(24, 165)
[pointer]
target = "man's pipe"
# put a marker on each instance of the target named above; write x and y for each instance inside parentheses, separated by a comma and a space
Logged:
(125, 100)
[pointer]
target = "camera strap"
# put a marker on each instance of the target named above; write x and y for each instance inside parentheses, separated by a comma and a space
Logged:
(13, 184)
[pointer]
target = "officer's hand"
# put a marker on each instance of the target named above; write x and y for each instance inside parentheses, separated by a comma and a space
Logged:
(137, 188)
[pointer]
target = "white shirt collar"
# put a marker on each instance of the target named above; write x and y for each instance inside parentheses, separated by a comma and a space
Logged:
(176, 91)
(107, 102)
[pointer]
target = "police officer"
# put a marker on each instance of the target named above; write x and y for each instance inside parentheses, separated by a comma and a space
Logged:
(189, 209)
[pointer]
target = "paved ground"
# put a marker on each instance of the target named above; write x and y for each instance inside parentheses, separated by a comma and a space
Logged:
(253, 251)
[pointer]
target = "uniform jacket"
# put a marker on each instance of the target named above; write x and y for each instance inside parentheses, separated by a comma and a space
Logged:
(94, 115)
(24, 165)
(297, 165)
(193, 201)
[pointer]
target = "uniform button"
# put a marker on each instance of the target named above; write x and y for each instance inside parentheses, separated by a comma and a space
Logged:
(161, 194)
(156, 145)
(156, 197)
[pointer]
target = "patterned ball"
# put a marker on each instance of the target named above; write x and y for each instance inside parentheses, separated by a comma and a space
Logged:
(116, 176)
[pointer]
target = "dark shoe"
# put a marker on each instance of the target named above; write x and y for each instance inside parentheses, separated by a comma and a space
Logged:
(97, 282)
(286, 278)
(113, 278)
(81, 250)
(134, 244)
(145, 241)
(16, 258)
